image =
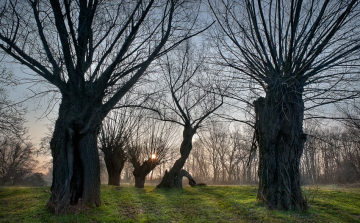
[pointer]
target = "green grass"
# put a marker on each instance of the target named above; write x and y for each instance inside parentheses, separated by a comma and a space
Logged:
(199, 204)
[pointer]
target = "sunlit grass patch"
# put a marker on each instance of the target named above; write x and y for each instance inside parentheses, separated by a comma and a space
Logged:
(191, 204)
(22, 203)
(337, 205)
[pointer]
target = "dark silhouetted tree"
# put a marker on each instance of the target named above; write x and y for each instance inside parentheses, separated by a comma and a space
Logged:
(92, 52)
(149, 147)
(194, 98)
(114, 138)
(295, 51)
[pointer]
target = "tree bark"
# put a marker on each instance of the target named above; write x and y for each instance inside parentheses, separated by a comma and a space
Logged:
(140, 181)
(170, 179)
(142, 170)
(76, 166)
(279, 119)
(184, 173)
(114, 164)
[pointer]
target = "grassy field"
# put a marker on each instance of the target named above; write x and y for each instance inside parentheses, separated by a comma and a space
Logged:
(198, 204)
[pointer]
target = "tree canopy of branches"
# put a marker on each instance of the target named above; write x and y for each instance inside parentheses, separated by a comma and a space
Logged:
(351, 115)
(114, 138)
(194, 97)
(16, 155)
(226, 150)
(17, 161)
(291, 49)
(149, 147)
(93, 52)
(331, 155)
(11, 114)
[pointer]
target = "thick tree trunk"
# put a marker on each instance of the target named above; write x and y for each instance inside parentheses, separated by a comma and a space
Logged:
(91, 168)
(170, 179)
(184, 173)
(114, 164)
(76, 172)
(279, 119)
(140, 181)
(113, 177)
(142, 170)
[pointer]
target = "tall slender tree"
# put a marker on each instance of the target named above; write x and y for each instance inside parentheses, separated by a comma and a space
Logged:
(193, 99)
(93, 52)
(296, 51)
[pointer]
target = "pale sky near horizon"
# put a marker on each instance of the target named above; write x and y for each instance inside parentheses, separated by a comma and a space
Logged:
(37, 126)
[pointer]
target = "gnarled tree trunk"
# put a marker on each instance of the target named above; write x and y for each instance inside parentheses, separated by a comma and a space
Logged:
(114, 164)
(76, 172)
(142, 170)
(170, 179)
(279, 119)
(184, 173)
(140, 181)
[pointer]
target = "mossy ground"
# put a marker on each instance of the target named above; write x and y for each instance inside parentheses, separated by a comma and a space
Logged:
(198, 204)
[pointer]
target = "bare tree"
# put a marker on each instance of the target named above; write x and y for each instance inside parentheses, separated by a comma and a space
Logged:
(292, 49)
(16, 154)
(149, 147)
(93, 52)
(227, 152)
(200, 168)
(11, 113)
(351, 141)
(351, 120)
(331, 155)
(216, 143)
(191, 104)
(16, 160)
(238, 152)
(114, 138)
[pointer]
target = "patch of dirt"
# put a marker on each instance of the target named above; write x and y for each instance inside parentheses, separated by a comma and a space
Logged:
(78, 208)
(129, 212)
